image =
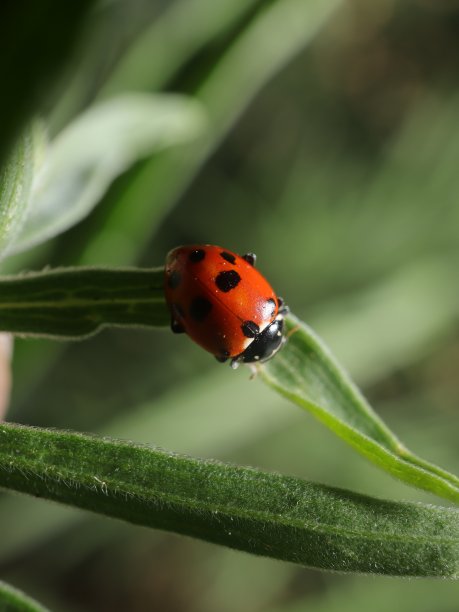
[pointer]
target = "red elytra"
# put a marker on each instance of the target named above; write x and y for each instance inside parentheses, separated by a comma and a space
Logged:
(223, 303)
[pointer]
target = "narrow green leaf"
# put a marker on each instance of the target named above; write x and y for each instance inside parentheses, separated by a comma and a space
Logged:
(16, 182)
(93, 150)
(14, 600)
(77, 302)
(262, 513)
(306, 373)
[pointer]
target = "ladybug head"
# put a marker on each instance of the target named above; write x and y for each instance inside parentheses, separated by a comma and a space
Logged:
(265, 345)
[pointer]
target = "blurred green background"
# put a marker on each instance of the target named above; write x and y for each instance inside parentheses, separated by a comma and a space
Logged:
(331, 149)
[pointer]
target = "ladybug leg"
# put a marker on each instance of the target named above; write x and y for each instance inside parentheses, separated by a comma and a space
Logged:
(254, 370)
(176, 327)
(250, 258)
(223, 356)
(283, 308)
(234, 363)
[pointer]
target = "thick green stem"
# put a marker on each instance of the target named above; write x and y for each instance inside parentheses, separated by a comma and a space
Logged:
(262, 513)
(77, 302)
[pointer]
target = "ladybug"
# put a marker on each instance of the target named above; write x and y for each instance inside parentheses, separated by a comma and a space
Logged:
(223, 303)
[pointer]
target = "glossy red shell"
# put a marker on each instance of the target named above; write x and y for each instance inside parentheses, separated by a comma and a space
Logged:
(217, 297)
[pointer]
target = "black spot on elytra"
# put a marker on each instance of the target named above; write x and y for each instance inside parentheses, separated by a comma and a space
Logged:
(174, 280)
(197, 255)
(250, 329)
(200, 308)
(228, 280)
(229, 257)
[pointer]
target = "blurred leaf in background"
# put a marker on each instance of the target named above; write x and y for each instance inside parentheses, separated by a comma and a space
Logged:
(36, 42)
(331, 151)
(16, 178)
(94, 149)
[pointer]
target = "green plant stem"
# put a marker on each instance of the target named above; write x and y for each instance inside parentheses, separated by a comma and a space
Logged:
(77, 302)
(262, 513)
